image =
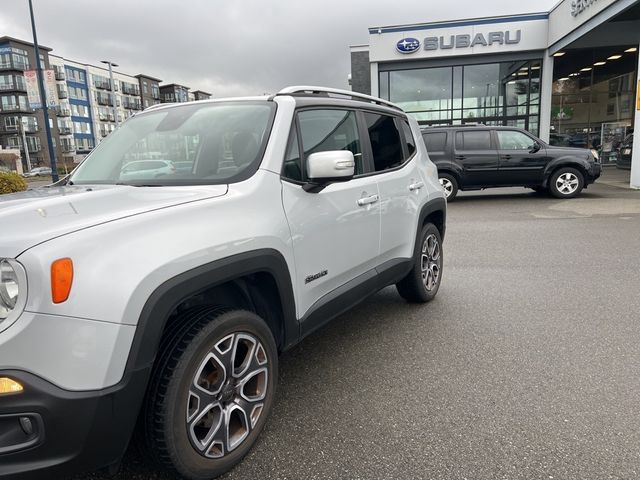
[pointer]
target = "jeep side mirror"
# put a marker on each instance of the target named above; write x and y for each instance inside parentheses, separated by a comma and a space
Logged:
(333, 166)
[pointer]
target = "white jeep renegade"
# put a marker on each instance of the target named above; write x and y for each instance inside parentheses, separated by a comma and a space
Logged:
(159, 282)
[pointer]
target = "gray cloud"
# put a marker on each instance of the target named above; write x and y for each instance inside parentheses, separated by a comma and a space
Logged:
(229, 48)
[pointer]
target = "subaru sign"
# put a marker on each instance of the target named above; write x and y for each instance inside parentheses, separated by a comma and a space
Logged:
(408, 45)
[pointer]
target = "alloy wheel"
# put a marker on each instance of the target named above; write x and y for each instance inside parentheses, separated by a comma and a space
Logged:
(567, 183)
(226, 395)
(447, 186)
(430, 265)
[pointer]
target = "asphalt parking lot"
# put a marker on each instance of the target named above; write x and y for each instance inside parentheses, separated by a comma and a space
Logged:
(524, 366)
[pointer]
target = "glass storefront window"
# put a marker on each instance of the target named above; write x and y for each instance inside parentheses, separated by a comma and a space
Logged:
(593, 99)
(492, 93)
(423, 89)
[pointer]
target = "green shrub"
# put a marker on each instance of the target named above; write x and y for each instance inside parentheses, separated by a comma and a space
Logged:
(11, 182)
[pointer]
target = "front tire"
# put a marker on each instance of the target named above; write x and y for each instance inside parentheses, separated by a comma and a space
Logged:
(211, 393)
(423, 281)
(566, 182)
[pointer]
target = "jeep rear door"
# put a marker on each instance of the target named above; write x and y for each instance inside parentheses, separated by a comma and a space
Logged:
(476, 155)
(392, 149)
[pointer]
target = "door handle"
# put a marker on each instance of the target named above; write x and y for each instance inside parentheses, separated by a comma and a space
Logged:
(368, 200)
(507, 157)
(460, 157)
(416, 186)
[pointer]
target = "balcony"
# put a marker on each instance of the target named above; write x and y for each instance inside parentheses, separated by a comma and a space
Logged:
(63, 94)
(103, 85)
(67, 148)
(17, 108)
(65, 130)
(132, 105)
(64, 112)
(14, 66)
(130, 90)
(13, 87)
(104, 133)
(60, 75)
(31, 128)
(104, 100)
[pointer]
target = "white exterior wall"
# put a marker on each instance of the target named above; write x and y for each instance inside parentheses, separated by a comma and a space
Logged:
(635, 159)
(571, 14)
(533, 36)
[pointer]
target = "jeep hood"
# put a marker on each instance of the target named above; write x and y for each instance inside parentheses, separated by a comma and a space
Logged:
(35, 216)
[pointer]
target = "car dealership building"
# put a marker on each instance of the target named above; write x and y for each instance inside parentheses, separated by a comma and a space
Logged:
(569, 75)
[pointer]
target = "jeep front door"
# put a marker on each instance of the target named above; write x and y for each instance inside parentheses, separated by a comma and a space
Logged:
(336, 231)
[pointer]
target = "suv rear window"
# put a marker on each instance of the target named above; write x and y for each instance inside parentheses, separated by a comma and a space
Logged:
(474, 140)
(385, 141)
(435, 141)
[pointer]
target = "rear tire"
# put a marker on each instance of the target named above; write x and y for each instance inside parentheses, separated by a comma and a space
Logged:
(449, 184)
(211, 392)
(566, 182)
(423, 281)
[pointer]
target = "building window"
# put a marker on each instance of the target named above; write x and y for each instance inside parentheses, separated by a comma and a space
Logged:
(504, 93)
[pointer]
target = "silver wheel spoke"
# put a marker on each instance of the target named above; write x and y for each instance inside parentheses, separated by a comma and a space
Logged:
(430, 262)
(226, 397)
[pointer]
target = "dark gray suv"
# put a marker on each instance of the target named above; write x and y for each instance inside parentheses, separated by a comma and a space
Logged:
(474, 157)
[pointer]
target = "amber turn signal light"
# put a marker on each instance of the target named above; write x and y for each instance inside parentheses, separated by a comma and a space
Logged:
(8, 385)
(61, 279)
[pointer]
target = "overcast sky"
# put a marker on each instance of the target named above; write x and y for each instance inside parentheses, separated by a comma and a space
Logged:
(232, 47)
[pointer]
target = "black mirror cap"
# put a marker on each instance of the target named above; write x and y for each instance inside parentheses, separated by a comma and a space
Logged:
(536, 147)
(316, 185)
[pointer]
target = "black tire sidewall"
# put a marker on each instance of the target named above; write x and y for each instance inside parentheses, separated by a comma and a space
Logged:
(186, 460)
(552, 182)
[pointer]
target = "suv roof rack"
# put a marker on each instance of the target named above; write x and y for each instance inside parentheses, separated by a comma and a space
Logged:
(325, 91)
(459, 125)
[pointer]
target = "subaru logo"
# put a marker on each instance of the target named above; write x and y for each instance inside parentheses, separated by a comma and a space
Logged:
(408, 45)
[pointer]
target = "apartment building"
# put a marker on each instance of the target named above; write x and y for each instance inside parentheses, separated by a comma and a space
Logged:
(88, 103)
(21, 125)
(149, 90)
(199, 95)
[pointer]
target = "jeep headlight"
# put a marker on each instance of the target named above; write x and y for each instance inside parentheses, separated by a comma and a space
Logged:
(12, 290)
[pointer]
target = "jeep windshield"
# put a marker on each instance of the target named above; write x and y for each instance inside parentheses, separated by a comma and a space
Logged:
(192, 144)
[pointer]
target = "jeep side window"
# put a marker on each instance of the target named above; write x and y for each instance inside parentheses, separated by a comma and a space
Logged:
(408, 138)
(292, 168)
(385, 141)
(327, 130)
(474, 140)
(512, 140)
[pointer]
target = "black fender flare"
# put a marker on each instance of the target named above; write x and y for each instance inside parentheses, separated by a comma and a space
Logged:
(165, 298)
(436, 205)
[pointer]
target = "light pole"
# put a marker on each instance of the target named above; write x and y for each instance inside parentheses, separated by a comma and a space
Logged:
(43, 99)
(113, 91)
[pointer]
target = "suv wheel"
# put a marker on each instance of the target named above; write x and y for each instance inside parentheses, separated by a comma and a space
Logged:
(212, 391)
(423, 281)
(449, 184)
(566, 183)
